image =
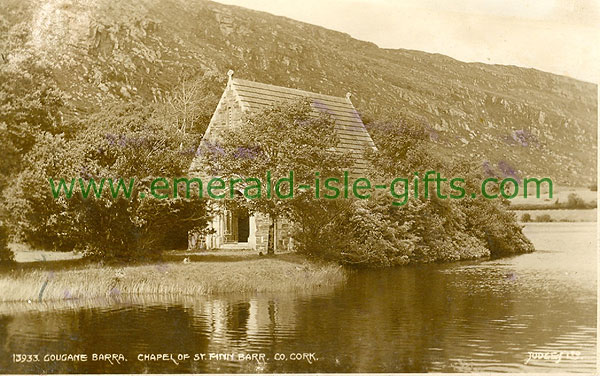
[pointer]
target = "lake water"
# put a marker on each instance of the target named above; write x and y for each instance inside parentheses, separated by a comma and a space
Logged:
(465, 317)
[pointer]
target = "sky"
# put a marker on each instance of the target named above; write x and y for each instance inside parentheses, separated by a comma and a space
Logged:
(558, 36)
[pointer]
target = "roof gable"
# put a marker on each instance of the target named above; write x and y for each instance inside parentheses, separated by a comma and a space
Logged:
(353, 136)
(253, 96)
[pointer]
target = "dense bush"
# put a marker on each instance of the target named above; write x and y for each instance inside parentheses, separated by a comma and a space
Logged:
(353, 232)
(375, 233)
(374, 236)
(543, 218)
(121, 141)
(495, 225)
(575, 202)
(6, 255)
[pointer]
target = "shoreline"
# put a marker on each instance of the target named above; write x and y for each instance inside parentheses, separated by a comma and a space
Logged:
(557, 215)
(177, 274)
(221, 274)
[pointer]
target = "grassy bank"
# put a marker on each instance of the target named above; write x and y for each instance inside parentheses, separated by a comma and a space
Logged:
(218, 275)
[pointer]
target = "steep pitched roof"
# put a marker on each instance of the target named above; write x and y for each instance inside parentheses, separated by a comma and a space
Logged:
(353, 135)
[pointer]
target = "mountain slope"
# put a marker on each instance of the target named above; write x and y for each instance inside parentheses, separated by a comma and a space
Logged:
(512, 119)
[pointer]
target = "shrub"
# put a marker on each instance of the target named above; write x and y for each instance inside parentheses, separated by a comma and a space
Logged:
(526, 217)
(575, 202)
(376, 233)
(356, 233)
(371, 236)
(543, 218)
(445, 226)
(495, 225)
(6, 255)
(121, 141)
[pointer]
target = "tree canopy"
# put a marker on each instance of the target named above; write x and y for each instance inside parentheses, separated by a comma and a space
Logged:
(122, 141)
(281, 139)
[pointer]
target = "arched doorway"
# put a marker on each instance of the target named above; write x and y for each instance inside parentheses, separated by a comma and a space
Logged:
(236, 227)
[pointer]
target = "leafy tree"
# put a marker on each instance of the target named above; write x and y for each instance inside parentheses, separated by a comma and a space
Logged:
(447, 229)
(6, 255)
(575, 202)
(367, 235)
(121, 141)
(526, 217)
(280, 140)
(372, 232)
(30, 103)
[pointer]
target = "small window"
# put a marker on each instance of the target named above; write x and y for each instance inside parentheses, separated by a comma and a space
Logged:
(229, 115)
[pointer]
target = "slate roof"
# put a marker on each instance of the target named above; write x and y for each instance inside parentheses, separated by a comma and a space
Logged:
(353, 135)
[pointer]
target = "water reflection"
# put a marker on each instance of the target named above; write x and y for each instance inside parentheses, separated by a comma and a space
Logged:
(469, 317)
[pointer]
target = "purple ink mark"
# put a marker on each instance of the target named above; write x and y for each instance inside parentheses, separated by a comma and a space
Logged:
(508, 170)
(245, 153)
(123, 140)
(111, 138)
(303, 123)
(85, 173)
(189, 151)
(433, 134)
(212, 148)
(321, 106)
(162, 268)
(520, 137)
(487, 169)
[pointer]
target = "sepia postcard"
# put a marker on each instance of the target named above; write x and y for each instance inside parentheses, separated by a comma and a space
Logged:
(305, 187)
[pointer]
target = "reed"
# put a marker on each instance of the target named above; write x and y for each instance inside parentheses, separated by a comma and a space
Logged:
(171, 278)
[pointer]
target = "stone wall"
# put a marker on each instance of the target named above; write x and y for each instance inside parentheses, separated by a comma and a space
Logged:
(283, 233)
(229, 113)
(262, 231)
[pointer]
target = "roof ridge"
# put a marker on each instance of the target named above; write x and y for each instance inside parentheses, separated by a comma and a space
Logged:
(309, 93)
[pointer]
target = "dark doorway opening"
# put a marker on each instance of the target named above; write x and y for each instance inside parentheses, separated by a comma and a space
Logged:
(243, 220)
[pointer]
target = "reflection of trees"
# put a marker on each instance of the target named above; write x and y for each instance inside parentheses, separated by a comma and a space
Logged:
(127, 331)
(413, 319)
(5, 359)
(154, 329)
(424, 319)
(242, 324)
(237, 320)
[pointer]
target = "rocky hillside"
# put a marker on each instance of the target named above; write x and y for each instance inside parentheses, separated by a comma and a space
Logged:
(507, 118)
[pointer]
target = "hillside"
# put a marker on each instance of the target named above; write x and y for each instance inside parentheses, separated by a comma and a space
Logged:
(535, 123)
